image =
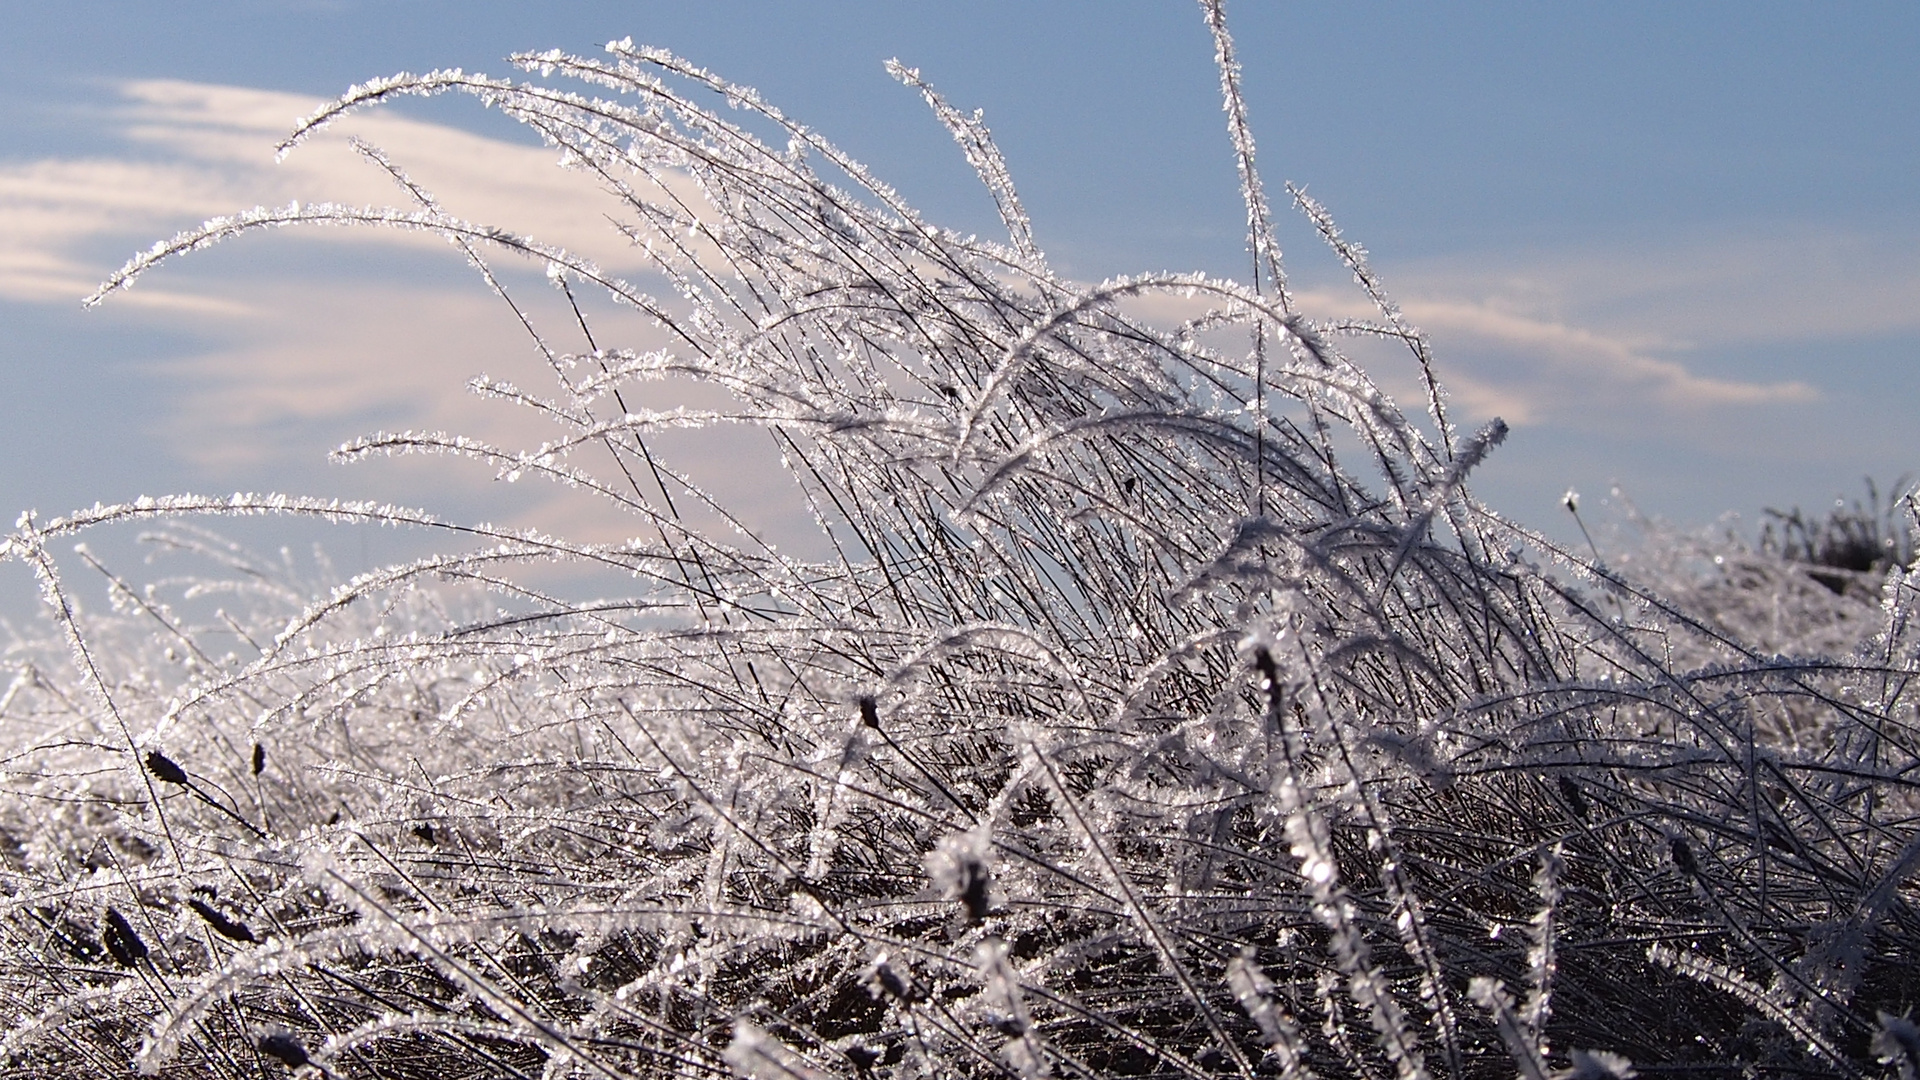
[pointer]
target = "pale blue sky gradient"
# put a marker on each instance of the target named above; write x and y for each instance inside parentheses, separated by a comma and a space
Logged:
(1677, 244)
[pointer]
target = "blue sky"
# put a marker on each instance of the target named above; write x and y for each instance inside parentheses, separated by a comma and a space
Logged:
(1677, 246)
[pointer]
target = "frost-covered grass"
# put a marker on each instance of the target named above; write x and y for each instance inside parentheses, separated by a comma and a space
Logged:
(1169, 705)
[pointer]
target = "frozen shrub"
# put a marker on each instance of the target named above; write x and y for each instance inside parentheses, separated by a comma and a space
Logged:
(1168, 707)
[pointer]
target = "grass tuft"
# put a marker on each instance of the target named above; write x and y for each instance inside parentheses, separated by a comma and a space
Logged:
(1160, 702)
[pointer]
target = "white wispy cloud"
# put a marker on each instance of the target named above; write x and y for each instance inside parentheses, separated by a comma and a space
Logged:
(1766, 281)
(1615, 340)
(195, 150)
(1522, 363)
(293, 364)
(306, 372)
(1556, 335)
(1534, 369)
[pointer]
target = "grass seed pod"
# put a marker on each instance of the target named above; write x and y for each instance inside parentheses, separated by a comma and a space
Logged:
(121, 941)
(284, 1047)
(165, 769)
(225, 927)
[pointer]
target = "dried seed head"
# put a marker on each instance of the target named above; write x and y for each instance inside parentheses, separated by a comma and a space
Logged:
(284, 1047)
(165, 769)
(1576, 802)
(225, 927)
(961, 867)
(1263, 660)
(1683, 857)
(1270, 675)
(122, 942)
(973, 893)
(259, 758)
(869, 712)
(864, 1058)
(885, 980)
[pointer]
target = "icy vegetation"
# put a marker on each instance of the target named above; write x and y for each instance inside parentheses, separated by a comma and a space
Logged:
(1169, 706)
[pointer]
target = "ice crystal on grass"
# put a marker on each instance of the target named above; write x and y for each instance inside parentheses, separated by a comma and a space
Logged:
(1162, 701)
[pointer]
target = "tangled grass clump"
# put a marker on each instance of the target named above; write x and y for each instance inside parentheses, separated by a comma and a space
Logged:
(1854, 546)
(1169, 707)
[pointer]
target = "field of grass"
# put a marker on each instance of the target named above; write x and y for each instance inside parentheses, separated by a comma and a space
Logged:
(1169, 706)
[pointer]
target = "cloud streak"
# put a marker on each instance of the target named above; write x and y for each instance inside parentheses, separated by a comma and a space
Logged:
(305, 372)
(1555, 369)
(1526, 341)
(1606, 342)
(196, 150)
(289, 366)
